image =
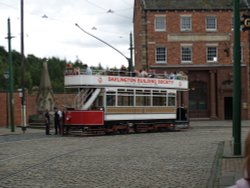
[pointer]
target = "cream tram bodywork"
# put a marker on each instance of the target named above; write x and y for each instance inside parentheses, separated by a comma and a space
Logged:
(122, 101)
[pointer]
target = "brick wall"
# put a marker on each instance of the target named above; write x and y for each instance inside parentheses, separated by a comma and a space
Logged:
(31, 109)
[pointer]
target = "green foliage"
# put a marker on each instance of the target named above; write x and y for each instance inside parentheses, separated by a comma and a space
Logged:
(33, 67)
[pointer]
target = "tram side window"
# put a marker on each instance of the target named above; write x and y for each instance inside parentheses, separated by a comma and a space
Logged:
(171, 99)
(98, 103)
(110, 101)
(125, 98)
(159, 98)
(143, 98)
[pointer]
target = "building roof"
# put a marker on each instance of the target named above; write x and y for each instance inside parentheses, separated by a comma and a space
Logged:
(192, 4)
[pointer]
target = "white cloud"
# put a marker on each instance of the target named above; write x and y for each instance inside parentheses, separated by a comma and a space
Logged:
(58, 36)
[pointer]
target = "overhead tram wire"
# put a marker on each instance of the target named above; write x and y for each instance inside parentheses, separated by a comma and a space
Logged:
(107, 10)
(101, 41)
(7, 5)
(128, 59)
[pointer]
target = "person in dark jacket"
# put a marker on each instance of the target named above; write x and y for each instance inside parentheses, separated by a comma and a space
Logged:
(57, 119)
(47, 122)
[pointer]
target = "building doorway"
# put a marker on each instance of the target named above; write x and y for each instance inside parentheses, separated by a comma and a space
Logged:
(198, 100)
(228, 106)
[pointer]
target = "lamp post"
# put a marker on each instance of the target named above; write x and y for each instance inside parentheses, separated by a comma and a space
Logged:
(12, 120)
(23, 101)
(6, 76)
(237, 82)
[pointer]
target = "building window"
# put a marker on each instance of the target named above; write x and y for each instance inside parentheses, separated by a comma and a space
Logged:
(186, 54)
(160, 23)
(161, 55)
(186, 23)
(212, 54)
(211, 23)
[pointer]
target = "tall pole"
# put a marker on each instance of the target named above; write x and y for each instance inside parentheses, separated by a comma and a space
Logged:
(12, 121)
(23, 102)
(7, 103)
(237, 82)
(7, 76)
(131, 54)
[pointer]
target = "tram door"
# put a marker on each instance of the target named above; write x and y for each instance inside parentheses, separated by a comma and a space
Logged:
(228, 106)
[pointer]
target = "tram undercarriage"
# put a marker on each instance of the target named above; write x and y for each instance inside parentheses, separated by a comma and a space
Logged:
(110, 128)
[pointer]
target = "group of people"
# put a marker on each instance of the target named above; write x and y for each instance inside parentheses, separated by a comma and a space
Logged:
(173, 75)
(58, 121)
(70, 70)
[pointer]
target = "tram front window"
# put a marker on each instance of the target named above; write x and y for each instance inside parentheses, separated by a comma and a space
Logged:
(171, 99)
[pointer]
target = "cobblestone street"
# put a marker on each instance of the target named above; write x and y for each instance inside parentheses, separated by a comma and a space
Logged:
(169, 159)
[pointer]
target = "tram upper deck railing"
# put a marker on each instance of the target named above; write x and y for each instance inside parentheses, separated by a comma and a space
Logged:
(74, 79)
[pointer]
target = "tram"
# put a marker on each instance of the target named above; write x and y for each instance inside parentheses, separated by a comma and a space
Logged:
(120, 103)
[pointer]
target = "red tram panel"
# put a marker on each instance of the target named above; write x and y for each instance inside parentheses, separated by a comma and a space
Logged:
(84, 118)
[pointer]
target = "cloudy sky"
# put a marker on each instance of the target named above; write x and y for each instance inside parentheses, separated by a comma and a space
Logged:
(49, 29)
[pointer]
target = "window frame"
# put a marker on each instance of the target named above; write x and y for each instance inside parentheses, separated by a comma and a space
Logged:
(160, 25)
(157, 55)
(215, 58)
(183, 61)
(184, 25)
(209, 18)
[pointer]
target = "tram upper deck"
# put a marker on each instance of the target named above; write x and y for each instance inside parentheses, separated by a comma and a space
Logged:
(118, 79)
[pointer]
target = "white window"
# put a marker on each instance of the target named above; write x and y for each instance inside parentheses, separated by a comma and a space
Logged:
(186, 54)
(211, 23)
(160, 23)
(212, 54)
(161, 54)
(186, 23)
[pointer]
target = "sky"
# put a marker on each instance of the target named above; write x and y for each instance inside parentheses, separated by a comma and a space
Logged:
(50, 30)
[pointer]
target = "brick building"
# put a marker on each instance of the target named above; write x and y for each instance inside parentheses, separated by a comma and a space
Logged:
(196, 37)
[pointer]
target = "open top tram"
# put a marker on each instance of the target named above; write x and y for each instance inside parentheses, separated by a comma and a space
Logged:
(120, 103)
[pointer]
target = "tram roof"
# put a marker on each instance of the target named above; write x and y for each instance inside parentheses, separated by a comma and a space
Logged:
(97, 81)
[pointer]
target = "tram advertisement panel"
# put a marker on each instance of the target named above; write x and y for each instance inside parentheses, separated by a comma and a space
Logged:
(124, 81)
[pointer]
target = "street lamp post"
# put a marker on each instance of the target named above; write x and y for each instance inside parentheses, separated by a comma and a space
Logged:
(12, 120)
(23, 101)
(6, 76)
(237, 82)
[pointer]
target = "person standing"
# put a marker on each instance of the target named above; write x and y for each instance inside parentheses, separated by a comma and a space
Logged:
(88, 70)
(57, 119)
(47, 122)
(245, 181)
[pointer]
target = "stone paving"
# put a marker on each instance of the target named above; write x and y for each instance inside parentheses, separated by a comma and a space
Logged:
(170, 159)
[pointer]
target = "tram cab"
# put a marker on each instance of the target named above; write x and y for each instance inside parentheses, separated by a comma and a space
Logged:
(122, 103)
